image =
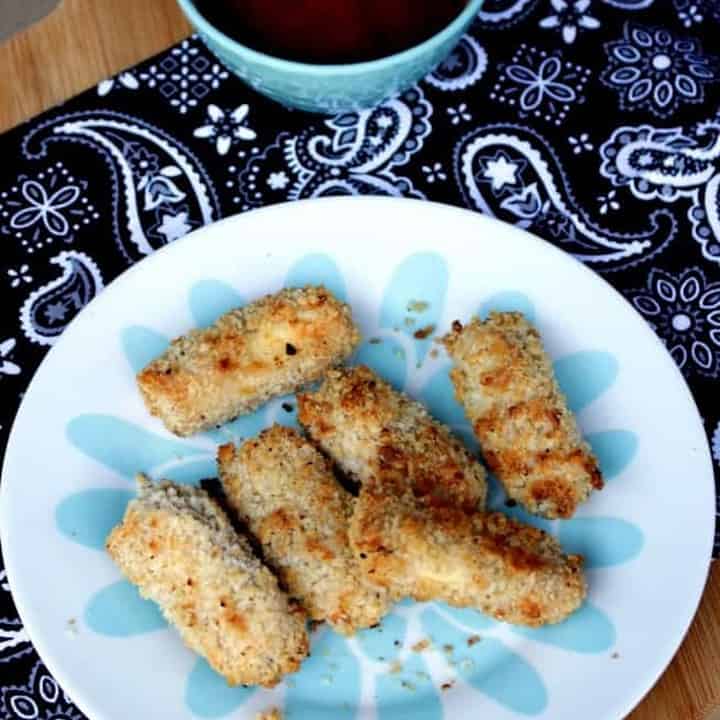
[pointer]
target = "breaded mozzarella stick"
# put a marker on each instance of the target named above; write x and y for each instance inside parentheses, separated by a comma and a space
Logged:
(286, 493)
(415, 529)
(254, 353)
(486, 561)
(504, 379)
(356, 418)
(180, 549)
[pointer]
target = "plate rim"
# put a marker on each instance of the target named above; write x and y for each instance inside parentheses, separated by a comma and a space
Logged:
(634, 696)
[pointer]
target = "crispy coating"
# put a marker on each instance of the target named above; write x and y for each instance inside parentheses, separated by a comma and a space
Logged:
(504, 379)
(417, 528)
(179, 548)
(286, 493)
(356, 417)
(251, 354)
(486, 561)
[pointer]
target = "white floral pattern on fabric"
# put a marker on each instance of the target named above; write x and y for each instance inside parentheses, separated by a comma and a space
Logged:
(7, 367)
(14, 640)
(226, 127)
(539, 84)
(39, 699)
(684, 310)
(19, 276)
(52, 205)
(570, 17)
(185, 75)
(716, 444)
(695, 12)
(125, 80)
(653, 69)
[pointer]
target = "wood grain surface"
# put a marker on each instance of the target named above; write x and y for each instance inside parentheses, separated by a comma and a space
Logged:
(84, 41)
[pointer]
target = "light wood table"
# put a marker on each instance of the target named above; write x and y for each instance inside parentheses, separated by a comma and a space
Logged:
(84, 41)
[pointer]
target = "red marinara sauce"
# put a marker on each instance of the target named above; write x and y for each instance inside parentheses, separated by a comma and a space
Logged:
(330, 31)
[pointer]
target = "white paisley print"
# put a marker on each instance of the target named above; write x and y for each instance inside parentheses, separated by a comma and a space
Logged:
(353, 153)
(671, 165)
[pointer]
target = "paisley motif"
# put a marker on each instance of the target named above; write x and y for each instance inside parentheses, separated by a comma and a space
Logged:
(465, 65)
(160, 189)
(672, 164)
(49, 309)
(511, 172)
(356, 154)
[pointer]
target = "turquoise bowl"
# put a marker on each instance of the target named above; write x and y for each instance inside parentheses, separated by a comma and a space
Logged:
(331, 88)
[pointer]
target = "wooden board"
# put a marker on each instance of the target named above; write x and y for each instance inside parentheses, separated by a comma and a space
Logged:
(83, 42)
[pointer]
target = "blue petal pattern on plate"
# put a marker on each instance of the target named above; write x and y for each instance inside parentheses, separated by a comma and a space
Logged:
(318, 269)
(508, 301)
(419, 278)
(386, 358)
(614, 449)
(586, 631)
(491, 667)
(119, 611)
(603, 541)
(329, 685)
(209, 299)
(89, 515)
(208, 695)
(122, 446)
(584, 376)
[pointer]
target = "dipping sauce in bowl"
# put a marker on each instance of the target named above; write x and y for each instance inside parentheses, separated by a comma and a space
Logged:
(331, 56)
(330, 31)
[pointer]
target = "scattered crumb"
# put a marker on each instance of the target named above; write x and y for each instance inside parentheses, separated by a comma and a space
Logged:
(448, 649)
(421, 645)
(395, 667)
(381, 658)
(422, 675)
(615, 655)
(375, 340)
(408, 685)
(424, 332)
(271, 714)
(409, 321)
(287, 407)
(473, 640)
(434, 353)
(397, 643)
(399, 352)
(446, 686)
(418, 306)
(418, 365)
(457, 326)
(71, 628)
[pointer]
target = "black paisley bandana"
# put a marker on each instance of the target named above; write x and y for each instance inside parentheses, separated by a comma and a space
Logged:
(594, 124)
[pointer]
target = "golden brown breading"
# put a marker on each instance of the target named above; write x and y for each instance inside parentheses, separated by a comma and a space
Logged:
(251, 354)
(486, 561)
(179, 548)
(504, 379)
(356, 417)
(416, 527)
(286, 493)
(271, 714)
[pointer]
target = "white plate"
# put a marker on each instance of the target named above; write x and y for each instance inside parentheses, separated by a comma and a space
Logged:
(82, 432)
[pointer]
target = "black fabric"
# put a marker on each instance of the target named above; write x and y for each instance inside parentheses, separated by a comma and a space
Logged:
(593, 124)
